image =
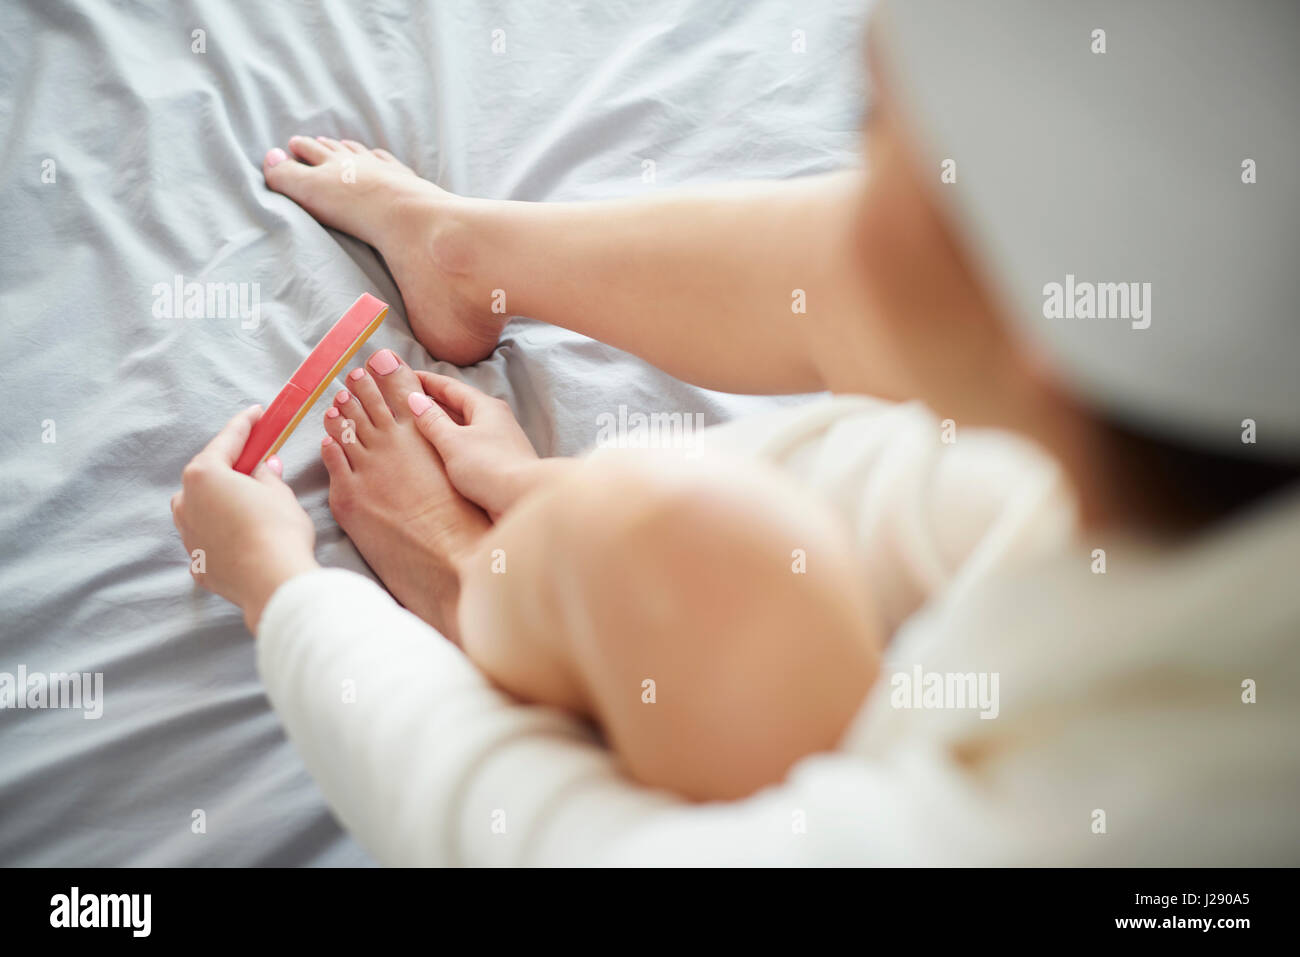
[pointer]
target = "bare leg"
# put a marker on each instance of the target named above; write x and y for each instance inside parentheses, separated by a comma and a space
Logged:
(706, 284)
(667, 604)
(706, 613)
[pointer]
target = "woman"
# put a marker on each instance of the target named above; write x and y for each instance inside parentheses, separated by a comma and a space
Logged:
(1075, 546)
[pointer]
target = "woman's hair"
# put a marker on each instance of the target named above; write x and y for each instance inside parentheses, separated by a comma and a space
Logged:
(1204, 486)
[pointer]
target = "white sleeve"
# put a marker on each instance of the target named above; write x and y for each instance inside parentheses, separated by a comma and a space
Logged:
(426, 763)
(932, 510)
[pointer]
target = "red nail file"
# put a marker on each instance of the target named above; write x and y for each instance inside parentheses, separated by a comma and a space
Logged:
(305, 386)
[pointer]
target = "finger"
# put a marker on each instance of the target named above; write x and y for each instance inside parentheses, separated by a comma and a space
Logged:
(270, 472)
(433, 422)
(229, 442)
(457, 396)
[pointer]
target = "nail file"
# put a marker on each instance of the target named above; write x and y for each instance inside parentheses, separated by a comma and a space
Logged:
(313, 376)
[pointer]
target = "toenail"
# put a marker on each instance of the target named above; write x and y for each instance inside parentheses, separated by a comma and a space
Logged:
(419, 403)
(328, 440)
(356, 374)
(342, 397)
(276, 157)
(384, 361)
(331, 413)
(275, 465)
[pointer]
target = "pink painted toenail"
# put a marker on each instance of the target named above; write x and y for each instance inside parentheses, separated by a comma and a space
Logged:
(328, 440)
(275, 465)
(384, 361)
(331, 413)
(342, 397)
(276, 157)
(419, 403)
(356, 374)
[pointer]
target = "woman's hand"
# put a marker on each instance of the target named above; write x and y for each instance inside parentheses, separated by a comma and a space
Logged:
(246, 535)
(488, 457)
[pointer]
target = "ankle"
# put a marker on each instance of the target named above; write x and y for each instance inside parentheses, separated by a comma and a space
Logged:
(455, 550)
(456, 566)
(451, 230)
(469, 246)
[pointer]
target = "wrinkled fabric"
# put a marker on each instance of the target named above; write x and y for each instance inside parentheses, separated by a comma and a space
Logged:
(154, 151)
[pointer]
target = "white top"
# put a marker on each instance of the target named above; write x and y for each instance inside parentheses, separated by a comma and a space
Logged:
(1121, 734)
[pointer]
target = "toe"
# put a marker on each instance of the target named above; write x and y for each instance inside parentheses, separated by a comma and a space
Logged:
(308, 150)
(388, 157)
(284, 174)
(396, 382)
(336, 462)
(343, 430)
(354, 146)
(366, 392)
(331, 144)
(347, 405)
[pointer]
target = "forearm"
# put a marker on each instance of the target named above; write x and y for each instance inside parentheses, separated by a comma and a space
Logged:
(421, 759)
(426, 764)
(742, 288)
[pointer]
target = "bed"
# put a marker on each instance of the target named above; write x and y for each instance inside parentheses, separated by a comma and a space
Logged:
(133, 140)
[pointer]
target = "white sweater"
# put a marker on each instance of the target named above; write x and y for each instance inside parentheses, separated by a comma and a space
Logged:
(1120, 733)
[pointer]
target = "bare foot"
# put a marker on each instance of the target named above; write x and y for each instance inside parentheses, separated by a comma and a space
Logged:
(412, 223)
(390, 493)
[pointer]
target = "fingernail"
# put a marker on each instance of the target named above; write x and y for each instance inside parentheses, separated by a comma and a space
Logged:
(342, 396)
(276, 157)
(356, 374)
(331, 413)
(328, 440)
(419, 403)
(384, 361)
(275, 465)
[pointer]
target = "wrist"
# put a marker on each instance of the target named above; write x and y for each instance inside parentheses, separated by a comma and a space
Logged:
(534, 474)
(268, 581)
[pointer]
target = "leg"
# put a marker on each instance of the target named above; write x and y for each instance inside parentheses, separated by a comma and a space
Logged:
(622, 570)
(703, 284)
(680, 575)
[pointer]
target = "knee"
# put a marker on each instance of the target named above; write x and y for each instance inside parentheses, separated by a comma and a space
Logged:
(729, 593)
(701, 541)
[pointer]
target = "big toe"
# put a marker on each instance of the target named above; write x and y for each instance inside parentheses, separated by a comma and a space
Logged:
(396, 381)
(286, 172)
(283, 173)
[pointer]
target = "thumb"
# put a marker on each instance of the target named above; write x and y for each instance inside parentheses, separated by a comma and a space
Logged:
(432, 420)
(270, 472)
(227, 444)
